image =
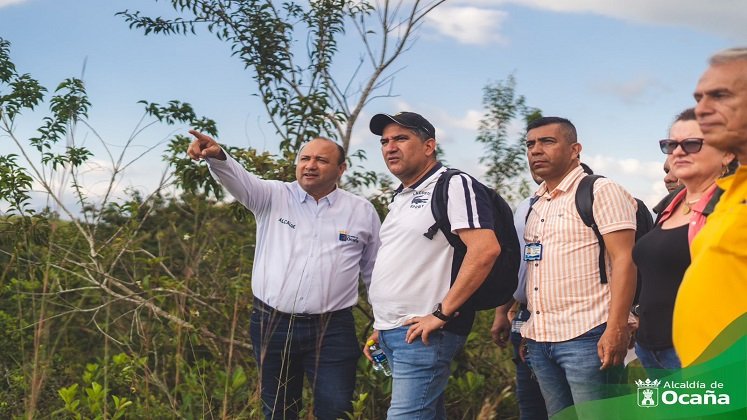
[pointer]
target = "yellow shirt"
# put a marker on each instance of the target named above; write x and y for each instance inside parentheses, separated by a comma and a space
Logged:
(713, 292)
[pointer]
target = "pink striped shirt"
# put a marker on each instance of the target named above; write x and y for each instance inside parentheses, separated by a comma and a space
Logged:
(697, 219)
(565, 295)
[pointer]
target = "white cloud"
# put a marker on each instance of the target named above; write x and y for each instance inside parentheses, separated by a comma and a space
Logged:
(643, 179)
(468, 25)
(604, 164)
(94, 179)
(724, 17)
(4, 3)
(469, 121)
(634, 91)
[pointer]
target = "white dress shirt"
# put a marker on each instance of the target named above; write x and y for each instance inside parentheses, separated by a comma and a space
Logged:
(309, 254)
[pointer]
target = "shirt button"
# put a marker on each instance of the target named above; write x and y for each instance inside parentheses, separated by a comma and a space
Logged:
(536, 264)
(542, 220)
(548, 199)
(536, 288)
(538, 312)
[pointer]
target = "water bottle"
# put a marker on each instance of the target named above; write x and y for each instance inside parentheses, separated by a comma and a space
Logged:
(380, 361)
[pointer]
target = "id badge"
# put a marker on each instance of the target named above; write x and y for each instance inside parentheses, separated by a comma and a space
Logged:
(533, 251)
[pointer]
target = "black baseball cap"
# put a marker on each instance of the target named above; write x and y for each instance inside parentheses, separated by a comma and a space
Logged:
(405, 119)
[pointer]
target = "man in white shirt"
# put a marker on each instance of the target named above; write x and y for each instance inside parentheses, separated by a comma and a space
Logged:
(419, 320)
(313, 242)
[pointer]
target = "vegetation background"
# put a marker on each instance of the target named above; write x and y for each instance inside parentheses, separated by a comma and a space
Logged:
(139, 308)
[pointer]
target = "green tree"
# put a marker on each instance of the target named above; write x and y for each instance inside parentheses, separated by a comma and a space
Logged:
(290, 49)
(135, 277)
(505, 158)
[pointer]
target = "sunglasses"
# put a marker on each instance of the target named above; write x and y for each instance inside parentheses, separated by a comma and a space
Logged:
(688, 145)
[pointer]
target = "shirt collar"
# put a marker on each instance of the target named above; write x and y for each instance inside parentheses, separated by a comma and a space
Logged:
(430, 173)
(672, 204)
(303, 195)
(699, 207)
(568, 181)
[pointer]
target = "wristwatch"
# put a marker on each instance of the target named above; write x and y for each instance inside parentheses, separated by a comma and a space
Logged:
(442, 316)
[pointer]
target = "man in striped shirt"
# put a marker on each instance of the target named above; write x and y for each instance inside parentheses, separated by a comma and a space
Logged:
(578, 332)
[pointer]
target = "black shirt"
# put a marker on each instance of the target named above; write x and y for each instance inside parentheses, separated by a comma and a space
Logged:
(662, 256)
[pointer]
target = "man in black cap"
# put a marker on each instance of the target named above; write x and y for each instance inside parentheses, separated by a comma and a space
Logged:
(416, 297)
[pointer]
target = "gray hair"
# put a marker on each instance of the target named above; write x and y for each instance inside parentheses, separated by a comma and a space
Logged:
(728, 55)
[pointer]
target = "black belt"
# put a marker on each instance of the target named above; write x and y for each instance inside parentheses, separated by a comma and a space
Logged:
(261, 306)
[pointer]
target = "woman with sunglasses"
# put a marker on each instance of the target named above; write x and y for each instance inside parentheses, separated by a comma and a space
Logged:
(663, 254)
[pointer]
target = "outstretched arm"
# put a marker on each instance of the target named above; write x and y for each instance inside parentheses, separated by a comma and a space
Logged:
(251, 191)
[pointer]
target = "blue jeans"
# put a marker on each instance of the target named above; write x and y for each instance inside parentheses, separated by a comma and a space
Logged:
(324, 347)
(419, 372)
(568, 371)
(658, 363)
(531, 403)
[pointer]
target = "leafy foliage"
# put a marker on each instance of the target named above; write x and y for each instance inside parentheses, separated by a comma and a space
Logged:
(290, 49)
(503, 157)
(263, 35)
(137, 308)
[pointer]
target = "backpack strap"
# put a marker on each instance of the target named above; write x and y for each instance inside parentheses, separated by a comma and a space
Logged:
(585, 208)
(532, 200)
(439, 205)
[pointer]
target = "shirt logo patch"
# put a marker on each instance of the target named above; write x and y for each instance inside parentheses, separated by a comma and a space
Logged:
(287, 222)
(419, 200)
(345, 237)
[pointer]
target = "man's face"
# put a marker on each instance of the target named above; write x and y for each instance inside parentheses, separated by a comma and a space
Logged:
(721, 95)
(405, 154)
(317, 170)
(670, 181)
(550, 153)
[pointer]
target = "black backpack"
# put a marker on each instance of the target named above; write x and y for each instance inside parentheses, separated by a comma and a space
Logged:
(500, 284)
(585, 207)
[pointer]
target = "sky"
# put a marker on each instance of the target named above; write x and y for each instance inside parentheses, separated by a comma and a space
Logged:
(619, 70)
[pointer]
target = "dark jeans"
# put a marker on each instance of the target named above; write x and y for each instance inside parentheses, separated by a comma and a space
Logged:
(658, 363)
(324, 347)
(531, 403)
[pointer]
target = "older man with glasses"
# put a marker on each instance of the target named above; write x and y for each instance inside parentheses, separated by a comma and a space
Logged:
(719, 254)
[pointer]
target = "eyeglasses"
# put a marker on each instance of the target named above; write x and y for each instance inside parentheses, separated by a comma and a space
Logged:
(688, 145)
